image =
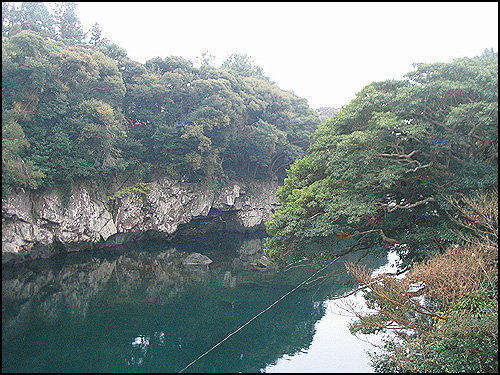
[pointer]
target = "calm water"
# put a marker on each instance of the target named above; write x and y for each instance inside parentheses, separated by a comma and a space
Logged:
(140, 308)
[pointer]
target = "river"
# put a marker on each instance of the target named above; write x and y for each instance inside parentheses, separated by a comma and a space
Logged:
(141, 308)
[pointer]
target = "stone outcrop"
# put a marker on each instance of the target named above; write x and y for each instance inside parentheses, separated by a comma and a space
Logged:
(197, 259)
(41, 224)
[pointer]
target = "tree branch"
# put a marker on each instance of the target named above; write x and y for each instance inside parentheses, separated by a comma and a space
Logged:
(382, 234)
(395, 207)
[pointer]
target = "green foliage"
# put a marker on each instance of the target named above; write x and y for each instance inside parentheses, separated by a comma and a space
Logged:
(466, 341)
(443, 313)
(379, 171)
(474, 353)
(70, 28)
(243, 65)
(74, 109)
(15, 171)
(215, 113)
(138, 188)
(28, 16)
(60, 24)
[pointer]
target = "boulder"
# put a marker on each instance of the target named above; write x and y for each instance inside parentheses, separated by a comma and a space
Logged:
(197, 259)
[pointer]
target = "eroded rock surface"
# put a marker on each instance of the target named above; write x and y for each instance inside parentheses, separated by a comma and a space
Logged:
(41, 224)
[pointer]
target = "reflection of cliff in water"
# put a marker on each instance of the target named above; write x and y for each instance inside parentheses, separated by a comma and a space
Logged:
(141, 306)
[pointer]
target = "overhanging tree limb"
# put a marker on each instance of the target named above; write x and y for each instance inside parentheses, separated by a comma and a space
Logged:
(390, 208)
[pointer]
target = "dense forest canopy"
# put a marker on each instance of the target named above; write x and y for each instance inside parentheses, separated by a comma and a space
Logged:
(409, 166)
(75, 106)
(379, 172)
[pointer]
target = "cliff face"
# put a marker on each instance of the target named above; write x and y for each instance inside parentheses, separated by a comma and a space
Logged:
(41, 224)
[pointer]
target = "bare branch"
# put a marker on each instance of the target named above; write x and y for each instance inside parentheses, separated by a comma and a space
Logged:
(382, 234)
(390, 208)
(405, 159)
(398, 155)
(420, 166)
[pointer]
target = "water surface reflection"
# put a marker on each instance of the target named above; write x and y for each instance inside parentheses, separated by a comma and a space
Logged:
(142, 308)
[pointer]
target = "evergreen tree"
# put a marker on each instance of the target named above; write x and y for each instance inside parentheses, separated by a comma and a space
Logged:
(70, 28)
(32, 16)
(95, 36)
(380, 171)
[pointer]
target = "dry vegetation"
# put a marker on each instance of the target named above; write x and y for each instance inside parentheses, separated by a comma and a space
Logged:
(444, 308)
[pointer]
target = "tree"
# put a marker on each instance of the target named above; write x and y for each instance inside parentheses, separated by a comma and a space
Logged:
(95, 35)
(379, 172)
(88, 110)
(443, 314)
(70, 28)
(256, 148)
(326, 113)
(214, 112)
(109, 85)
(243, 65)
(205, 58)
(32, 16)
(488, 54)
(65, 102)
(16, 172)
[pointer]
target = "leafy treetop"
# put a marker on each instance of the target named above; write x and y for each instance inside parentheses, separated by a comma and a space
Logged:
(73, 109)
(378, 174)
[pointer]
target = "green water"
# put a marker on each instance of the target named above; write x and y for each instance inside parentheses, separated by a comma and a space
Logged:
(138, 308)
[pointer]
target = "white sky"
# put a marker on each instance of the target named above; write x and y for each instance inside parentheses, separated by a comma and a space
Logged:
(325, 52)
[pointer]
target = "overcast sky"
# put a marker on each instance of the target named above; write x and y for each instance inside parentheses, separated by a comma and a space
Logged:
(325, 52)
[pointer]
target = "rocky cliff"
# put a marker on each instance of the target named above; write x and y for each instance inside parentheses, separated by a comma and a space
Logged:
(41, 224)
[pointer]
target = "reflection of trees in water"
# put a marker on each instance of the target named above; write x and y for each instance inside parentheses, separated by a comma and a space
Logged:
(141, 306)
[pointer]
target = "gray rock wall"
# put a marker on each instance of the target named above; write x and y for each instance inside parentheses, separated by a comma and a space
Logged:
(41, 224)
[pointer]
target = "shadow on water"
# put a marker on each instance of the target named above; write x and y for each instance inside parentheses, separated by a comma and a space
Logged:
(141, 308)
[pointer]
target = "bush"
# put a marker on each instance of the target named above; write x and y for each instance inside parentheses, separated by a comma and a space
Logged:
(443, 314)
